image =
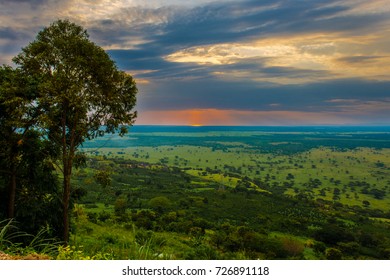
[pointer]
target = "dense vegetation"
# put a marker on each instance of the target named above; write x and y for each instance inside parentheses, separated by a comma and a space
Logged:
(225, 199)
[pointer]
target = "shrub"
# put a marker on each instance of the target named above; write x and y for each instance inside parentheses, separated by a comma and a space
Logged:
(160, 203)
(333, 254)
(76, 253)
(293, 247)
(104, 216)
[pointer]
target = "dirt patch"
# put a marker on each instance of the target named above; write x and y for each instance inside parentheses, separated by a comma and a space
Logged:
(34, 256)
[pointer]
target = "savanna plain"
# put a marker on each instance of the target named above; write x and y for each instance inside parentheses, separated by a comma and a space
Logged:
(172, 192)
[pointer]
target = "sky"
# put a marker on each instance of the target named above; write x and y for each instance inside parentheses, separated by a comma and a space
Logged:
(243, 62)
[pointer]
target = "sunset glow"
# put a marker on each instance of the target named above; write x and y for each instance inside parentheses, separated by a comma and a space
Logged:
(207, 117)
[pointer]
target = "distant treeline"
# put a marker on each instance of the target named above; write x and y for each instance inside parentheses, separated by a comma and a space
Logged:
(285, 143)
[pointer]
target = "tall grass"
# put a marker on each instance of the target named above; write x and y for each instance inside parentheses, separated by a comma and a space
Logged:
(14, 241)
(43, 244)
(9, 233)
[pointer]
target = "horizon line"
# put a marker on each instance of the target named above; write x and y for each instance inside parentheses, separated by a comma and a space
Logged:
(276, 125)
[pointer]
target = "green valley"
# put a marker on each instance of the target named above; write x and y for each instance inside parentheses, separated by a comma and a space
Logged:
(225, 194)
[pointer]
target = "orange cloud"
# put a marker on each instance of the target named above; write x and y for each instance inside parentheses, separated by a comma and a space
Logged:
(186, 117)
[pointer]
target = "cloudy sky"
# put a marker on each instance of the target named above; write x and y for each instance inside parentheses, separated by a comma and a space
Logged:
(223, 62)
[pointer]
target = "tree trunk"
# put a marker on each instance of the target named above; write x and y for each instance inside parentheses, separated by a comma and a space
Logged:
(66, 201)
(12, 191)
(67, 172)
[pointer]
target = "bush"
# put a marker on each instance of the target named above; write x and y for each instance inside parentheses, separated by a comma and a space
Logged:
(120, 207)
(332, 234)
(76, 253)
(104, 216)
(333, 254)
(160, 203)
(293, 247)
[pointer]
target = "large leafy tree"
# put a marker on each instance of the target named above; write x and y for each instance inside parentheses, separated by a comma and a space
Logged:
(17, 117)
(81, 94)
(28, 184)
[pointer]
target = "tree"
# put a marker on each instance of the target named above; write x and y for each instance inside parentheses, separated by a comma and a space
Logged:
(9, 102)
(81, 93)
(160, 203)
(366, 203)
(378, 194)
(28, 184)
(17, 116)
(333, 254)
(120, 207)
(103, 178)
(38, 189)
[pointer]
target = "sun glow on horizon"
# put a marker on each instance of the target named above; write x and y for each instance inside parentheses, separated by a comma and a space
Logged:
(347, 114)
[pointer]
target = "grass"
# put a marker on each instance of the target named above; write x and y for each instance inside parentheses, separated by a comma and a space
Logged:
(117, 241)
(334, 168)
(100, 207)
(227, 164)
(11, 237)
(223, 179)
(8, 233)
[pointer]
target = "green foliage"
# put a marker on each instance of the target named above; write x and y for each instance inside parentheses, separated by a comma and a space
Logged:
(233, 224)
(15, 241)
(333, 234)
(222, 208)
(36, 187)
(333, 254)
(73, 253)
(103, 178)
(8, 232)
(160, 203)
(17, 117)
(80, 94)
(293, 247)
(120, 208)
(78, 81)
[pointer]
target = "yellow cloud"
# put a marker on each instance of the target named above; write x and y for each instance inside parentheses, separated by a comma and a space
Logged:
(319, 52)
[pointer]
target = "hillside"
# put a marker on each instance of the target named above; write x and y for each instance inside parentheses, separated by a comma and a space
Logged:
(228, 193)
(246, 194)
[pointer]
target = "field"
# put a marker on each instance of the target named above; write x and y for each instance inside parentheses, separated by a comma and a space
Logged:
(226, 157)
(237, 192)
